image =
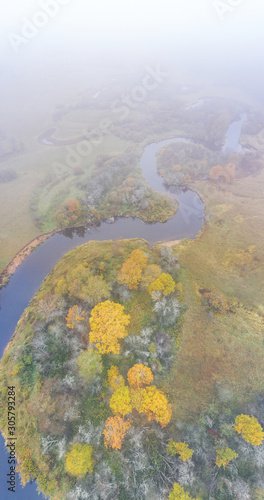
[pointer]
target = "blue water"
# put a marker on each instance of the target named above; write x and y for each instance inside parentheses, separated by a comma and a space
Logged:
(26, 280)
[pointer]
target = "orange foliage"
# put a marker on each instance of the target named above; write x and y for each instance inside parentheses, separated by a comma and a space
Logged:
(224, 174)
(108, 324)
(75, 315)
(115, 431)
(73, 206)
(139, 376)
(131, 271)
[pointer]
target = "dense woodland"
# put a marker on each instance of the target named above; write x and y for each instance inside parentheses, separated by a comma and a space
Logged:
(92, 358)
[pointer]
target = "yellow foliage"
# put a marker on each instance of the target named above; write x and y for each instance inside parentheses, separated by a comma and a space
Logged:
(115, 431)
(258, 493)
(131, 271)
(108, 324)
(181, 449)
(178, 493)
(164, 283)
(250, 429)
(120, 401)
(150, 274)
(79, 460)
(224, 456)
(115, 380)
(139, 376)
(179, 288)
(154, 404)
(75, 316)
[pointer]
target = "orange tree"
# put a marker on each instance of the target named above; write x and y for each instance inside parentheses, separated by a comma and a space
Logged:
(250, 429)
(139, 376)
(131, 271)
(75, 316)
(108, 325)
(69, 213)
(115, 431)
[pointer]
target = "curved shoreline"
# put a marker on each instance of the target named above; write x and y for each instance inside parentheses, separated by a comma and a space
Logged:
(22, 255)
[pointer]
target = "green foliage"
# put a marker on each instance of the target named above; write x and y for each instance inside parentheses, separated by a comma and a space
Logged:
(80, 283)
(90, 364)
(70, 213)
(95, 409)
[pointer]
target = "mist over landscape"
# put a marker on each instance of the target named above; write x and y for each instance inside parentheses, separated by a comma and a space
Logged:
(131, 250)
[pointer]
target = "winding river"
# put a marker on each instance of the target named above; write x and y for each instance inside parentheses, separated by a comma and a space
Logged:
(26, 280)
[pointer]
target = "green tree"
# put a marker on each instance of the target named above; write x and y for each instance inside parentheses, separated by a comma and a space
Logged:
(90, 364)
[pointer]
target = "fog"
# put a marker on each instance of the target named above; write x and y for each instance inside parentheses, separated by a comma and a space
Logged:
(53, 47)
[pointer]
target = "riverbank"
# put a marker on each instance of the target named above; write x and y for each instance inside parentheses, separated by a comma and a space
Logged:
(22, 255)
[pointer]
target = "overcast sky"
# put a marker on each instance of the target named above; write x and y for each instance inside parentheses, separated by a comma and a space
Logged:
(215, 37)
(111, 20)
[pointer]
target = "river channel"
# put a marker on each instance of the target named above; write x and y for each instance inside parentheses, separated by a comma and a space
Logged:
(26, 280)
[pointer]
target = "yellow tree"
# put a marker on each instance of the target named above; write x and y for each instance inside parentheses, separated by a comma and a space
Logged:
(224, 456)
(164, 283)
(115, 380)
(75, 316)
(79, 460)
(139, 376)
(120, 401)
(154, 404)
(108, 325)
(150, 274)
(131, 271)
(182, 449)
(250, 429)
(178, 493)
(115, 431)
